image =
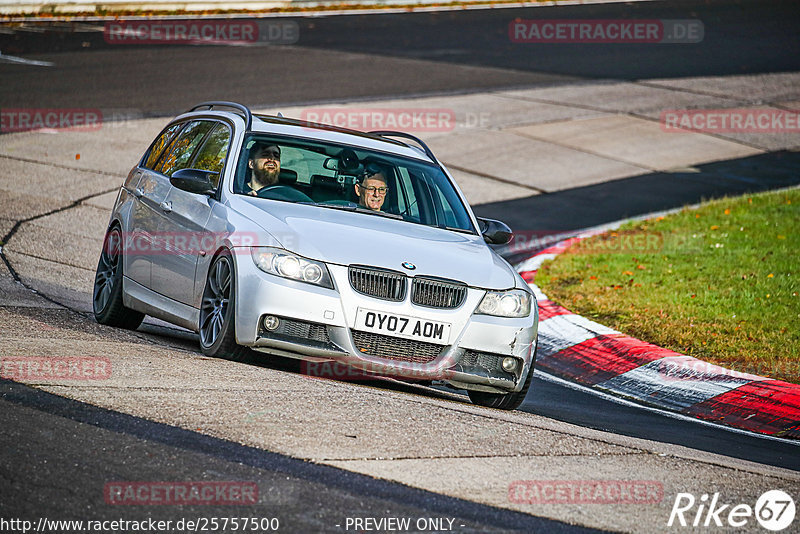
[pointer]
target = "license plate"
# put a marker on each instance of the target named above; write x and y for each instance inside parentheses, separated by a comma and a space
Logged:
(392, 324)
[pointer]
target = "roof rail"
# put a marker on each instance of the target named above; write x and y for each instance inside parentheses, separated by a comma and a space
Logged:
(248, 115)
(390, 133)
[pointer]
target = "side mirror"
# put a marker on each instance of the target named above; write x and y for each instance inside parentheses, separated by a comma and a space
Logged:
(495, 232)
(194, 181)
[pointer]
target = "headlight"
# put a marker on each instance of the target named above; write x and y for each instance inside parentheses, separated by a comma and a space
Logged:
(287, 265)
(512, 303)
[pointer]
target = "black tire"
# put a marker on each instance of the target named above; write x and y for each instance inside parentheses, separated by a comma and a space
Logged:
(217, 312)
(504, 401)
(107, 294)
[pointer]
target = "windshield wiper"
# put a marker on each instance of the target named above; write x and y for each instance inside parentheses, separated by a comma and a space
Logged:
(381, 213)
(345, 207)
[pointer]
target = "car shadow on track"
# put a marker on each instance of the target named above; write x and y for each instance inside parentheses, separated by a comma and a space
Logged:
(180, 338)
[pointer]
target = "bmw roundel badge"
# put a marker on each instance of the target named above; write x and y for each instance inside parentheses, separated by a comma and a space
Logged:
(408, 265)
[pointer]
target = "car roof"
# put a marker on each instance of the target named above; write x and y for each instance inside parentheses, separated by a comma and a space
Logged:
(384, 141)
(311, 130)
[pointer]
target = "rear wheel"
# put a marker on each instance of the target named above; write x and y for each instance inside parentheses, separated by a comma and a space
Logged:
(217, 312)
(107, 294)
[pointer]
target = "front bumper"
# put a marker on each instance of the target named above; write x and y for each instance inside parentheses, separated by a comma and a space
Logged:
(318, 324)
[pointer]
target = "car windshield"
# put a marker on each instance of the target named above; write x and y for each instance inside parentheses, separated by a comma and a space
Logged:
(347, 178)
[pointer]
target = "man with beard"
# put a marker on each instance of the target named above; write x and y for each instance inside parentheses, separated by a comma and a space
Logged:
(265, 166)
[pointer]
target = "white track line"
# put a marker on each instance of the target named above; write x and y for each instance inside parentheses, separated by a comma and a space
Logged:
(14, 59)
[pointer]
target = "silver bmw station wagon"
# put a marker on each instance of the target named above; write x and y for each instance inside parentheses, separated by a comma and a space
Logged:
(314, 242)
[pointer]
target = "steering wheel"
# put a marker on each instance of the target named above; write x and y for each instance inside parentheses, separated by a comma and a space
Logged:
(282, 192)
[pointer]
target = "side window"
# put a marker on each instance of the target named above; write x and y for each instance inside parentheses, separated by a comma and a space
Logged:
(182, 148)
(159, 144)
(211, 156)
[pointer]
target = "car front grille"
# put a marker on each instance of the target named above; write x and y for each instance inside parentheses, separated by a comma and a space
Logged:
(378, 283)
(391, 285)
(437, 293)
(395, 348)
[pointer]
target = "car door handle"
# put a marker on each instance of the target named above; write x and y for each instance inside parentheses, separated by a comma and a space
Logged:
(139, 192)
(166, 206)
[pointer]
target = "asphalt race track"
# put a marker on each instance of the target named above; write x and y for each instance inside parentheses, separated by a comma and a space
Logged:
(58, 452)
(305, 496)
(352, 57)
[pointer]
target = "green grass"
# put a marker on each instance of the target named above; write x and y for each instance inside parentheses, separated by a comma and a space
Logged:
(719, 283)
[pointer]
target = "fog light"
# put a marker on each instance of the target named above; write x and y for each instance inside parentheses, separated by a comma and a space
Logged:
(509, 364)
(271, 323)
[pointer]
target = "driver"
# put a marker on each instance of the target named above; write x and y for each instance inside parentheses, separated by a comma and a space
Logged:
(372, 190)
(265, 165)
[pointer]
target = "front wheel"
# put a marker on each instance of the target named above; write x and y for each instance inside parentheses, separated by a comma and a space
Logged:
(217, 312)
(107, 294)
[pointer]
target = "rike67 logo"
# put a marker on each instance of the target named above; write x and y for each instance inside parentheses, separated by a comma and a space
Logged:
(774, 510)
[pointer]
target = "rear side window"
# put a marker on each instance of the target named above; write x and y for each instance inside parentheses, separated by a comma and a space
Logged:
(182, 148)
(157, 148)
(211, 156)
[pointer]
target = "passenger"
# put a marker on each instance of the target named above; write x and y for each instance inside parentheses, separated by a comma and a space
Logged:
(265, 165)
(372, 190)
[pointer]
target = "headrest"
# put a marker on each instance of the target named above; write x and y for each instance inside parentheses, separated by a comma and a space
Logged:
(371, 167)
(330, 182)
(287, 177)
